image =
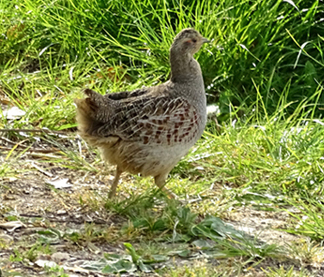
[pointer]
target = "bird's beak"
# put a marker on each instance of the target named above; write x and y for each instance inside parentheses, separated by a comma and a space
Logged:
(205, 40)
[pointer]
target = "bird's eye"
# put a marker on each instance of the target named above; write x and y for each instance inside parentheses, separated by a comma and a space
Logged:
(194, 40)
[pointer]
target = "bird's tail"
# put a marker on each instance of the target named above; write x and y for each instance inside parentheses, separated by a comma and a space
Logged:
(88, 113)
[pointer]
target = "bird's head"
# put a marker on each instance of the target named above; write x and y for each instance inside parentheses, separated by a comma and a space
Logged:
(188, 41)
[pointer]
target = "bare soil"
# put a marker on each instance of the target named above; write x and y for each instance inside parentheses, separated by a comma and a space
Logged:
(37, 206)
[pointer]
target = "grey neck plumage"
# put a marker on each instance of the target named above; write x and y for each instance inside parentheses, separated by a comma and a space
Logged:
(184, 68)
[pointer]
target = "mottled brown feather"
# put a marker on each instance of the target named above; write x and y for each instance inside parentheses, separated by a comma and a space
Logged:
(148, 130)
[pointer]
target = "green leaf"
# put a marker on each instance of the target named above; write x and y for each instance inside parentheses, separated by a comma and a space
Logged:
(215, 229)
(144, 267)
(158, 225)
(184, 253)
(156, 259)
(160, 258)
(119, 267)
(202, 244)
(131, 250)
(310, 75)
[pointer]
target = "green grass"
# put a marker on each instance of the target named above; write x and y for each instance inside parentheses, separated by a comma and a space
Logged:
(264, 71)
(259, 47)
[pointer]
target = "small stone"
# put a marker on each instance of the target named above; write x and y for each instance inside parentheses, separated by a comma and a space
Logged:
(60, 184)
(43, 263)
(61, 212)
(12, 113)
(60, 256)
(11, 226)
(6, 238)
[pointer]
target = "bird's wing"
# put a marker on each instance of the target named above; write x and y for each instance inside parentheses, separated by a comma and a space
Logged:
(153, 120)
(127, 94)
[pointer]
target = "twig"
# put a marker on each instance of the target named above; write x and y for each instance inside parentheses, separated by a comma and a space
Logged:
(68, 218)
(33, 149)
(23, 146)
(8, 141)
(34, 131)
(41, 170)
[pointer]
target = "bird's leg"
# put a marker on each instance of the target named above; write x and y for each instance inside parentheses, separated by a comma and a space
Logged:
(160, 182)
(115, 182)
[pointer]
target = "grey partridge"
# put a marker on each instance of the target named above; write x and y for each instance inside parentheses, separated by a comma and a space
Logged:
(149, 130)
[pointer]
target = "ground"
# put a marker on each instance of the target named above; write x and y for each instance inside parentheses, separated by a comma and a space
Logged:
(60, 216)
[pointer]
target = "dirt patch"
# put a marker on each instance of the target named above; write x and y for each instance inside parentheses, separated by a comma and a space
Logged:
(78, 234)
(263, 225)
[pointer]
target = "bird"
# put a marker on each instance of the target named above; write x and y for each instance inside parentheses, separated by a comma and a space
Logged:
(148, 130)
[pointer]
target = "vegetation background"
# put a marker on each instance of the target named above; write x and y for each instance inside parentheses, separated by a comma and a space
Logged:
(263, 71)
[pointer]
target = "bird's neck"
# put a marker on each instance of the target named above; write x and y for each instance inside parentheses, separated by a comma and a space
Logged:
(184, 68)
